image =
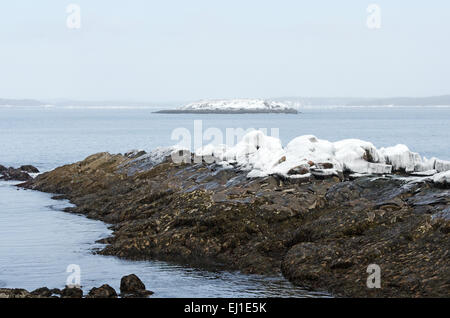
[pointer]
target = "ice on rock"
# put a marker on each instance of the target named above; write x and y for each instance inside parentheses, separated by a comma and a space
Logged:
(147, 161)
(401, 158)
(424, 173)
(442, 165)
(361, 157)
(442, 177)
(307, 155)
(425, 165)
(256, 152)
(304, 149)
(217, 151)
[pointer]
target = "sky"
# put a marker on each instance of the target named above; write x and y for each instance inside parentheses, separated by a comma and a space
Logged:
(177, 50)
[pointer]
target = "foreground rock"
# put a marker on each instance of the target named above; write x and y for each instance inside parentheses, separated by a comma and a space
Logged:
(133, 287)
(104, 291)
(19, 174)
(321, 232)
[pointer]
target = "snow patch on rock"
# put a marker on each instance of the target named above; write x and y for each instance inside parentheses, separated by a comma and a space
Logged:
(442, 178)
(236, 104)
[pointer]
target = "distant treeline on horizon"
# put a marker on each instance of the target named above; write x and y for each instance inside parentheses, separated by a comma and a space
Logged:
(303, 101)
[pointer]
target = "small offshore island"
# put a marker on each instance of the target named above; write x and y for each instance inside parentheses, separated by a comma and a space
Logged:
(233, 106)
(318, 212)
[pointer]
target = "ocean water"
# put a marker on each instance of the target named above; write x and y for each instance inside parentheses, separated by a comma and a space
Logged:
(50, 137)
(38, 241)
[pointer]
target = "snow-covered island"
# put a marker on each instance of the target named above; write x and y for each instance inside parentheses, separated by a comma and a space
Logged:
(233, 106)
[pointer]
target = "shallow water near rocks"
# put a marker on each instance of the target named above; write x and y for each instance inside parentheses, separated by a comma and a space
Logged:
(38, 241)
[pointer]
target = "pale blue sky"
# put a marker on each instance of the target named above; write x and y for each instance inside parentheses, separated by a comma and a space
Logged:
(186, 50)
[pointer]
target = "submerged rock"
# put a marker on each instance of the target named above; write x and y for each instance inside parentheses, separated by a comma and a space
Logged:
(319, 232)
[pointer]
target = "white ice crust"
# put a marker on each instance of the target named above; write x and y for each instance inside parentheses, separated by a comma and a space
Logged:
(236, 104)
(442, 177)
(263, 155)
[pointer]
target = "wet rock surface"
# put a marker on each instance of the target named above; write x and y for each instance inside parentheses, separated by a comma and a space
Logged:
(133, 284)
(321, 232)
(131, 287)
(104, 291)
(19, 174)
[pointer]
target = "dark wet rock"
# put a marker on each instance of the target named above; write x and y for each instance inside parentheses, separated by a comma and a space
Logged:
(132, 287)
(42, 292)
(131, 283)
(2, 168)
(104, 291)
(71, 292)
(322, 232)
(135, 154)
(14, 293)
(56, 291)
(29, 169)
(14, 174)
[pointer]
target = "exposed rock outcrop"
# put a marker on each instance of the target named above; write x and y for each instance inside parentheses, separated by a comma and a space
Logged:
(19, 174)
(321, 232)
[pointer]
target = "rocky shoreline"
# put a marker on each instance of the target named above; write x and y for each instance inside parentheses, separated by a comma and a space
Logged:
(130, 287)
(321, 232)
(19, 174)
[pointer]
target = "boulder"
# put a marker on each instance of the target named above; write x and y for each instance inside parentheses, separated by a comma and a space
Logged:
(29, 169)
(56, 291)
(132, 286)
(42, 292)
(104, 291)
(71, 292)
(14, 293)
(15, 174)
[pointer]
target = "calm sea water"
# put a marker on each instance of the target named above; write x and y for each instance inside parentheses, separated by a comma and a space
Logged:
(52, 137)
(38, 241)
